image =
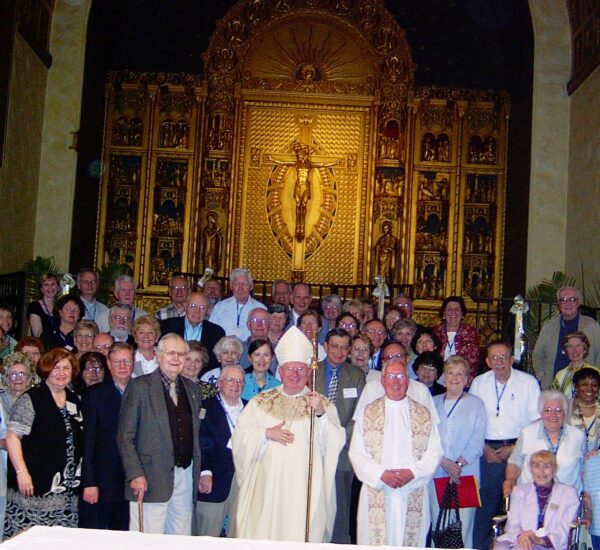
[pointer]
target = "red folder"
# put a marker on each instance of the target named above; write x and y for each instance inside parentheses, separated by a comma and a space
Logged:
(468, 491)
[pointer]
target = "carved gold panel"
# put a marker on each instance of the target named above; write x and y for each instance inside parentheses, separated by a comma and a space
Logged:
(264, 236)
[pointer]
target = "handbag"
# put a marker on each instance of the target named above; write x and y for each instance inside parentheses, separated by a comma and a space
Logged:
(467, 491)
(448, 528)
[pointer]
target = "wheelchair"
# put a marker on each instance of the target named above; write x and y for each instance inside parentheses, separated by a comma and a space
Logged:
(575, 538)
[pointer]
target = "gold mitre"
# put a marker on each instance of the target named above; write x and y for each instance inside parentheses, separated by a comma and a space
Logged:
(293, 346)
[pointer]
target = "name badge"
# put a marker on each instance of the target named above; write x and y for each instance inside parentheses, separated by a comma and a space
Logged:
(71, 408)
(229, 446)
(202, 414)
(350, 393)
(553, 506)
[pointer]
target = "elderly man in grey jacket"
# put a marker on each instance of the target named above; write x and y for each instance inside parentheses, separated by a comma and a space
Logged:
(158, 442)
(548, 355)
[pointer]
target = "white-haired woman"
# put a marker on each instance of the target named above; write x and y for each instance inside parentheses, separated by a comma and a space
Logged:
(228, 351)
(550, 433)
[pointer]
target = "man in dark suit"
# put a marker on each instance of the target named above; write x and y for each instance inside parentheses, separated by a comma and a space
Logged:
(376, 331)
(217, 492)
(195, 326)
(342, 383)
(158, 442)
(103, 503)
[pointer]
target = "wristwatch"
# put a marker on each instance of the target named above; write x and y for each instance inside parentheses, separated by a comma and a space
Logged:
(460, 463)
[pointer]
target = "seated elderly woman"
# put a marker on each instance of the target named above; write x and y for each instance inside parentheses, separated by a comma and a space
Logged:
(541, 510)
(228, 350)
(576, 345)
(550, 433)
(585, 409)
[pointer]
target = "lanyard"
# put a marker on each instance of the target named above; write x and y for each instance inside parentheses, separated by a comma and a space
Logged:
(499, 396)
(454, 406)
(227, 415)
(552, 447)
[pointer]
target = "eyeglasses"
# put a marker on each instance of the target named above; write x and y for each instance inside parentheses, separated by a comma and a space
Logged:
(380, 331)
(427, 367)
(95, 369)
(71, 309)
(398, 376)
(570, 299)
(125, 362)
(101, 347)
(124, 318)
(171, 354)
(360, 350)
(347, 325)
(85, 335)
(499, 357)
(299, 370)
(330, 307)
(179, 287)
(550, 410)
(17, 375)
(231, 381)
(407, 306)
(200, 307)
(399, 355)
(258, 321)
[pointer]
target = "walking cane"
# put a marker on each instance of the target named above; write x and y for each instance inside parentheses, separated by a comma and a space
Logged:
(140, 500)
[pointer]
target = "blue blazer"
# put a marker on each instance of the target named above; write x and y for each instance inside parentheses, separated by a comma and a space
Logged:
(102, 465)
(211, 334)
(215, 434)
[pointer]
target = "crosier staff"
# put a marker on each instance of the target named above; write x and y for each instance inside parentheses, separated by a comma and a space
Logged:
(314, 364)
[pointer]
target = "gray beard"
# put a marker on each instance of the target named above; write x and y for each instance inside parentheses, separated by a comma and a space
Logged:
(119, 335)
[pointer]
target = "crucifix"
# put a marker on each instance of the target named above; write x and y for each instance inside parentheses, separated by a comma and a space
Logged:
(305, 167)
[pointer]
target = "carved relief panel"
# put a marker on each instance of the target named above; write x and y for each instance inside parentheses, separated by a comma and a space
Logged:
(146, 196)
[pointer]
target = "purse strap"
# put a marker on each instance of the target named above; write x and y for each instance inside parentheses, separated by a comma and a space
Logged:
(449, 504)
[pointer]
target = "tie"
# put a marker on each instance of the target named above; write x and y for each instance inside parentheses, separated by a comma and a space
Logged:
(173, 391)
(372, 363)
(333, 387)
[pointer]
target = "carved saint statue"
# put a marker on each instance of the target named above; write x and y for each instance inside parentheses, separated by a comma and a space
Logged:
(212, 239)
(386, 250)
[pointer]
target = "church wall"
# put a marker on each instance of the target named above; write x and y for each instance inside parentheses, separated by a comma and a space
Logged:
(549, 141)
(63, 108)
(583, 219)
(20, 170)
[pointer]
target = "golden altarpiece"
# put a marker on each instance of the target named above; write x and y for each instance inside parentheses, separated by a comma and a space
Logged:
(306, 152)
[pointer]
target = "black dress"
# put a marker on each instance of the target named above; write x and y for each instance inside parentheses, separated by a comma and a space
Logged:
(52, 443)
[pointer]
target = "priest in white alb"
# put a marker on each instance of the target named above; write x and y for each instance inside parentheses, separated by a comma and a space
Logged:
(271, 454)
(395, 450)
